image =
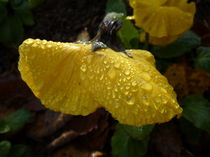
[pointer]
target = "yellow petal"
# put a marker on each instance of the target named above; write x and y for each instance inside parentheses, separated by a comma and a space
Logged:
(163, 17)
(70, 78)
(159, 41)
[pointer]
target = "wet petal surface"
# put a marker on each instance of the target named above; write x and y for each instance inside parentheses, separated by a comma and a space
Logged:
(70, 78)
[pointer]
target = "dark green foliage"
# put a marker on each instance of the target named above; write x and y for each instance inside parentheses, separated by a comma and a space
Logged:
(14, 121)
(138, 133)
(21, 151)
(182, 45)
(117, 6)
(202, 59)
(5, 147)
(129, 35)
(14, 15)
(130, 141)
(196, 109)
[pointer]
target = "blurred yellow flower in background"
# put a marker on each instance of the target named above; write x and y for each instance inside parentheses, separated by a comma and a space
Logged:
(72, 79)
(164, 20)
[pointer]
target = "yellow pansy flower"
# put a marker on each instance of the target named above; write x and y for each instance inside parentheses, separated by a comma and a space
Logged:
(72, 79)
(164, 20)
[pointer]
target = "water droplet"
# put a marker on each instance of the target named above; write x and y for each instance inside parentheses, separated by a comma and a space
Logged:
(29, 41)
(83, 68)
(145, 102)
(127, 72)
(130, 100)
(164, 101)
(134, 83)
(112, 74)
(177, 106)
(82, 76)
(98, 71)
(91, 76)
(126, 93)
(89, 58)
(155, 106)
(108, 87)
(49, 45)
(145, 76)
(101, 78)
(164, 90)
(117, 65)
(34, 45)
(117, 106)
(147, 87)
(134, 90)
(162, 111)
(127, 87)
(44, 41)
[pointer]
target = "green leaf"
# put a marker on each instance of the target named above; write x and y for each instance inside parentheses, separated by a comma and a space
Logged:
(26, 17)
(21, 151)
(14, 121)
(192, 135)
(11, 31)
(182, 45)
(20, 4)
(116, 6)
(203, 58)
(163, 64)
(5, 147)
(123, 145)
(22, 9)
(35, 3)
(196, 109)
(4, 0)
(3, 12)
(138, 133)
(129, 35)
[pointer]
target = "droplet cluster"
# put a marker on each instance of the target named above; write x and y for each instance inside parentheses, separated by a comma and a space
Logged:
(72, 79)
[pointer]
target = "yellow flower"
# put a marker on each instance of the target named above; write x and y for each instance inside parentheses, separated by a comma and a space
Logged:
(164, 20)
(72, 79)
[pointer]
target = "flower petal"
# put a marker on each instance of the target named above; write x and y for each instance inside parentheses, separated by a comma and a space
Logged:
(70, 78)
(163, 18)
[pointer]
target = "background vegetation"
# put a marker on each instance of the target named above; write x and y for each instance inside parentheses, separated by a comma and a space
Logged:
(27, 129)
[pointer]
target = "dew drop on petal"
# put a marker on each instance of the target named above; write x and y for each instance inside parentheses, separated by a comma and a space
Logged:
(145, 76)
(89, 59)
(126, 93)
(127, 72)
(145, 102)
(29, 41)
(108, 87)
(83, 68)
(117, 65)
(130, 100)
(112, 74)
(164, 101)
(134, 83)
(164, 90)
(147, 87)
(101, 78)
